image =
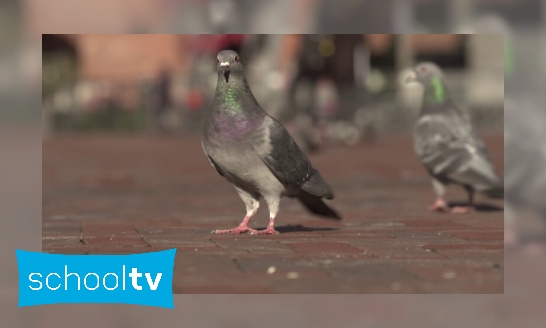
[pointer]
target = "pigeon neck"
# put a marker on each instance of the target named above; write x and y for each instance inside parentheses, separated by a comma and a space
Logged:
(230, 95)
(436, 92)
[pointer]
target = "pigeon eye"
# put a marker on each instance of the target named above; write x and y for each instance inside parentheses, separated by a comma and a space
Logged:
(218, 60)
(236, 58)
(423, 70)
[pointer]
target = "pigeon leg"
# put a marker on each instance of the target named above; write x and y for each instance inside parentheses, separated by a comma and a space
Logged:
(466, 209)
(273, 204)
(440, 204)
(252, 204)
(270, 228)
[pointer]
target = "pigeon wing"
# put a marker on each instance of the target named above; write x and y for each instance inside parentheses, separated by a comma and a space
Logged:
(289, 164)
(449, 147)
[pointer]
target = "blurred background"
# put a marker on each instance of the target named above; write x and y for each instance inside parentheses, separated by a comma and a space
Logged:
(340, 88)
(521, 22)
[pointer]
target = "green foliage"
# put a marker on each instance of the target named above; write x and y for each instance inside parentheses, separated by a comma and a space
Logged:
(108, 118)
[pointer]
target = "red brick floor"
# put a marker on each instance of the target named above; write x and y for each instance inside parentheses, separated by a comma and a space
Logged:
(124, 194)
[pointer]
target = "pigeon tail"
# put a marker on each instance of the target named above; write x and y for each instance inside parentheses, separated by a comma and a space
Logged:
(317, 206)
(316, 186)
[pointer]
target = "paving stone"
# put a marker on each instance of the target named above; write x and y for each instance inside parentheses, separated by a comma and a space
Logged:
(61, 242)
(480, 235)
(253, 245)
(281, 265)
(123, 250)
(108, 229)
(396, 250)
(64, 228)
(220, 288)
(212, 264)
(65, 251)
(323, 247)
(126, 195)
(179, 241)
(122, 241)
(492, 246)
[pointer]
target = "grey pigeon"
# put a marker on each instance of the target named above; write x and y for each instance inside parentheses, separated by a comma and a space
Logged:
(255, 153)
(448, 145)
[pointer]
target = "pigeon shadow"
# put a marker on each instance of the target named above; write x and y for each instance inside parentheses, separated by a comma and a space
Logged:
(299, 228)
(479, 207)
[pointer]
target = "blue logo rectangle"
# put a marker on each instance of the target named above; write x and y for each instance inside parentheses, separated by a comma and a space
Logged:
(143, 279)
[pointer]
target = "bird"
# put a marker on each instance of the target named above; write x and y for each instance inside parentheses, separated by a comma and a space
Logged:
(448, 145)
(255, 153)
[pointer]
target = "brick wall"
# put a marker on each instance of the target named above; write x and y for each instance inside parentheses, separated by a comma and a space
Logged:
(128, 58)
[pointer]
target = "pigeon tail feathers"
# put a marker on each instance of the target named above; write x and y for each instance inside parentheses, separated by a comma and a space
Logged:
(317, 206)
(316, 186)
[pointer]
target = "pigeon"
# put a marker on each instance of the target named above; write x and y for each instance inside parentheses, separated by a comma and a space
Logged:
(255, 153)
(448, 145)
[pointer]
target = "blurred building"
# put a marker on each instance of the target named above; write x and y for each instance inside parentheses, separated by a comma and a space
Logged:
(88, 72)
(121, 58)
(80, 72)
(130, 58)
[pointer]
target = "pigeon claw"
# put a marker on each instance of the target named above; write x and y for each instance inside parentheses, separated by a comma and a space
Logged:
(268, 231)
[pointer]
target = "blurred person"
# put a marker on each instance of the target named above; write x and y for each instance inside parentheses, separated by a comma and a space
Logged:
(322, 80)
(163, 92)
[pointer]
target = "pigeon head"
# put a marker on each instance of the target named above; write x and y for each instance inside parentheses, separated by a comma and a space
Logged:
(228, 65)
(431, 77)
(425, 73)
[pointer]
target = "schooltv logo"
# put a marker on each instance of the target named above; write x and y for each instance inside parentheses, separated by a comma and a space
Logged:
(143, 279)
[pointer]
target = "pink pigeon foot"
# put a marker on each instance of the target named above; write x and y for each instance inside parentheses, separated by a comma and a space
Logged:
(270, 228)
(439, 206)
(463, 209)
(235, 231)
(269, 231)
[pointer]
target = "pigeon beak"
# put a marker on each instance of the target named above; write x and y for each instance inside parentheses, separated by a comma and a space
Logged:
(412, 77)
(225, 68)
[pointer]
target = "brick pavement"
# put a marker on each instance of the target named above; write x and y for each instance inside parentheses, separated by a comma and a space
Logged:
(125, 194)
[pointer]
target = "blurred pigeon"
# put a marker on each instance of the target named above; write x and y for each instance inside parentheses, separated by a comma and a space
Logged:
(255, 153)
(305, 132)
(448, 145)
